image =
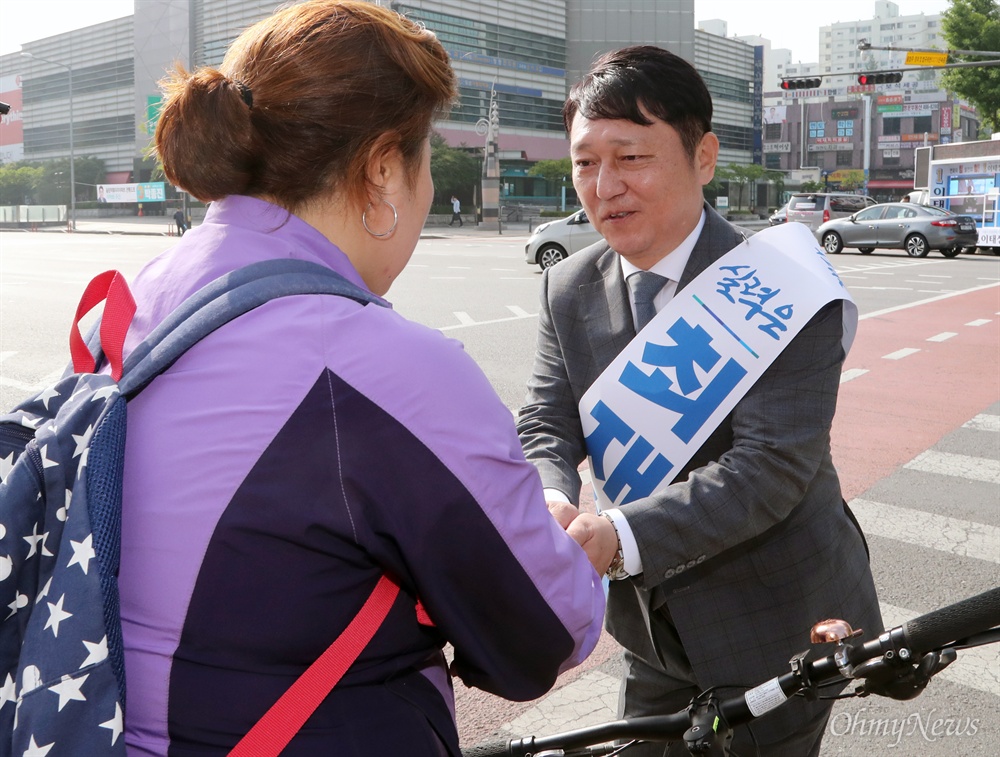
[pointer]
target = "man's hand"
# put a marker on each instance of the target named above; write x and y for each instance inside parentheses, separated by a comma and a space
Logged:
(597, 537)
(563, 512)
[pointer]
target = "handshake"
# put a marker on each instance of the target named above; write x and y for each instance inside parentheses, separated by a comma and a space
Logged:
(595, 533)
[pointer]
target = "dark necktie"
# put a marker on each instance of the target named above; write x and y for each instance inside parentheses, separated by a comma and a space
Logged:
(644, 286)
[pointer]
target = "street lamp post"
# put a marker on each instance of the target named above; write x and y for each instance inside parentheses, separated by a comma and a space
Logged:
(72, 155)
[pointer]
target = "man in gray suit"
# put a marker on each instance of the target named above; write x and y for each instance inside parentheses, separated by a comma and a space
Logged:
(717, 577)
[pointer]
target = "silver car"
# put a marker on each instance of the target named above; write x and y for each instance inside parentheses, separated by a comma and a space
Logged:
(557, 240)
(918, 229)
(815, 208)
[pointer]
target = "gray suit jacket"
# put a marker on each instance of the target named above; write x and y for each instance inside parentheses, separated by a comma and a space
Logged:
(752, 544)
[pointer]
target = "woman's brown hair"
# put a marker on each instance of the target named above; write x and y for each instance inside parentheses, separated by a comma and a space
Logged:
(301, 103)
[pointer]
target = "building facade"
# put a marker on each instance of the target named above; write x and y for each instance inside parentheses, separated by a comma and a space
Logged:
(838, 43)
(523, 53)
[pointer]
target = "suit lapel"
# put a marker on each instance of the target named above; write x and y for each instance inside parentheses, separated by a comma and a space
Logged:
(605, 309)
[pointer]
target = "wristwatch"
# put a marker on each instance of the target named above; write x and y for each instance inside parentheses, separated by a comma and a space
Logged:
(616, 570)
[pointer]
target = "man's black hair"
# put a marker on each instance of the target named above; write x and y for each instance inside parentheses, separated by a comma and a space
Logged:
(623, 83)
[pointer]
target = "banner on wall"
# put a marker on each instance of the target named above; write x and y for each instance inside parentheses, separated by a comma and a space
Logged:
(151, 191)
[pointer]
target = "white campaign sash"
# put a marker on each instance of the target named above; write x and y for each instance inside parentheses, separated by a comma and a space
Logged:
(671, 387)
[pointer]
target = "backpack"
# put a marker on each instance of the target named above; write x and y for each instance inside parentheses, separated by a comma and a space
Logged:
(62, 672)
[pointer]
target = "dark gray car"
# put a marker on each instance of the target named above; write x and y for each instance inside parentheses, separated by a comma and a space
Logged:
(918, 229)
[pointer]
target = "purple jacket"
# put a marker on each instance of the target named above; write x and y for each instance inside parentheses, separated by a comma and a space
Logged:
(279, 468)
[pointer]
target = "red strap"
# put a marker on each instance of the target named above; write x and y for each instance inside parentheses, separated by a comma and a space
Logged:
(118, 312)
(286, 717)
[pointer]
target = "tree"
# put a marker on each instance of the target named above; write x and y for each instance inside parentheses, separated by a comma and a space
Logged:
(53, 185)
(974, 25)
(741, 175)
(455, 170)
(18, 182)
(852, 178)
(559, 172)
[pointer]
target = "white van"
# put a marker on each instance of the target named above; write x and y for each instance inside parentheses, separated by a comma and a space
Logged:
(918, 197)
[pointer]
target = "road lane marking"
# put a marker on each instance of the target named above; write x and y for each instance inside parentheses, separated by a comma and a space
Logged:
(520, 312)
(938, 532)
(979, 322)
(908, 305)
(984, 422)
(978, 668)
(962, 466)
(851, 374)
(900, 354)
(467, 321)
(942, 337)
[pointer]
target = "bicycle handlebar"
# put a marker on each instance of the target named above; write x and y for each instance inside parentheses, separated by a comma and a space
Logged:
(921, 635)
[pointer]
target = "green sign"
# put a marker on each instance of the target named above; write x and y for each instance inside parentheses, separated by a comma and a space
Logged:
(153, 103)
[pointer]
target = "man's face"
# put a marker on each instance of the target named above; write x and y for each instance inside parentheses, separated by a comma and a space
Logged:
(640, 188)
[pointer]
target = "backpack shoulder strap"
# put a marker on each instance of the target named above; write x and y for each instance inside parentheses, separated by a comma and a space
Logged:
(286, 716)
(223, 300)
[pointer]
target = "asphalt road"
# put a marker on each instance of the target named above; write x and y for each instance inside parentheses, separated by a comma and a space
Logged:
(917, 441)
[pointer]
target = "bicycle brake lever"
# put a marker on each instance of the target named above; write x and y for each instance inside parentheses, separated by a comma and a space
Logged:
(896, 677)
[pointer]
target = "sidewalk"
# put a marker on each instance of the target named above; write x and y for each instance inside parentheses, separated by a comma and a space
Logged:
(163, 226)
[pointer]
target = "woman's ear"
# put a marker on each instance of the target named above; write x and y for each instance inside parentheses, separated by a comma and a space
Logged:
(385, 170)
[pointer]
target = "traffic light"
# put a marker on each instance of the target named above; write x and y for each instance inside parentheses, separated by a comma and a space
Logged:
(891, 77)
(810, 83)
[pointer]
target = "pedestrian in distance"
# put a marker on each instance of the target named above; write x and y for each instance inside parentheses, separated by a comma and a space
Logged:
(180, 221)
(456, 211)
(716, 577)
(292, 459)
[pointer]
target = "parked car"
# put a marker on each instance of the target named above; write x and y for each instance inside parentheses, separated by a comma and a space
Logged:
(815, 208)
(779, 216)
(918, 229)
(557, 240)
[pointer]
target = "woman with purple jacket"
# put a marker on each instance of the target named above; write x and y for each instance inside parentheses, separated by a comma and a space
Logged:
(290, 459)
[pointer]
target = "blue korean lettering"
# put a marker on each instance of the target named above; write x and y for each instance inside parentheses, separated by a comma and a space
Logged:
(692, 347)
(755, 296)
(626, 473)
(693, 412)
(610, 428)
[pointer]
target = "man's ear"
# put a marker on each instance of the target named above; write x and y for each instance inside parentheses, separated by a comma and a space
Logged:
(706, 156)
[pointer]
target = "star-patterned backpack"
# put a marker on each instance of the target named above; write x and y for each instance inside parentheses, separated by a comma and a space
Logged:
(62, 672)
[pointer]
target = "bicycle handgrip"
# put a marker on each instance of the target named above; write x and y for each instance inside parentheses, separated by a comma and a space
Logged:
(957, 621)
(495, 749)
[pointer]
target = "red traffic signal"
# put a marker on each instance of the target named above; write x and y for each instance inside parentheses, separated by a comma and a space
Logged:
(808, 83)
(891, 77)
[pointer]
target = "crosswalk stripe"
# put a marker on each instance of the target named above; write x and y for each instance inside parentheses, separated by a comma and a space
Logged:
(978, 667)
(963, 466)
(922, 529)
(984, 422)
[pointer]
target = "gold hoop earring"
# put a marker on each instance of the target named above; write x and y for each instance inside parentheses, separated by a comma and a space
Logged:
(395, 218)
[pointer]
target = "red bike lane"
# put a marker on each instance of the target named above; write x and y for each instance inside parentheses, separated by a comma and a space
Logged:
(904, 405)
(899, 407)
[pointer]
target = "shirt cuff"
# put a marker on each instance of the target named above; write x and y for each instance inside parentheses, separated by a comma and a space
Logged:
(554, 495)
(630, 549)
